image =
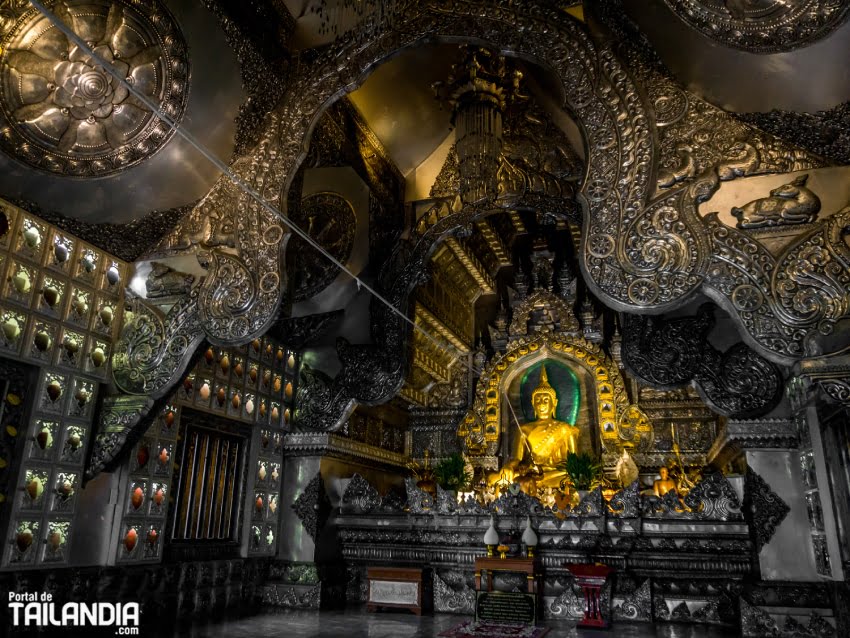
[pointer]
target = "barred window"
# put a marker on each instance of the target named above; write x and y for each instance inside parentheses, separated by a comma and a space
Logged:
(209, 489)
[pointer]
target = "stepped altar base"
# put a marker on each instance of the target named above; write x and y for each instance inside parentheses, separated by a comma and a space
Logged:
(672, 556)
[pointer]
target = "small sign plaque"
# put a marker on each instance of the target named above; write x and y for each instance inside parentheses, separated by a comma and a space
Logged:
(506, 607)
(393, 592)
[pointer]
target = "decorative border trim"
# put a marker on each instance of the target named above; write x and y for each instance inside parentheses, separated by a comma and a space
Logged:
(329, 444)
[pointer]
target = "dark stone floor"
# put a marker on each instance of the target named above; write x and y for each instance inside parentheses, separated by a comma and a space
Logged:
(357, 623)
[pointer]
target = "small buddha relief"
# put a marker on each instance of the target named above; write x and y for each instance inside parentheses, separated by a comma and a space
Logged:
(664, 483)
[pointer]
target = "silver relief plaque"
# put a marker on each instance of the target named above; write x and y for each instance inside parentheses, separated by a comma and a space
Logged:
(392, 592)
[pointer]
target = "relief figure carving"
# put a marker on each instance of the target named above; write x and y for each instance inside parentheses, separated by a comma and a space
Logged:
(787, 205)
(686, 168)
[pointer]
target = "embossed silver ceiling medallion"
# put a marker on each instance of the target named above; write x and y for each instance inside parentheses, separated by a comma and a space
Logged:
(62, 112)
(763, 26)
(330, 219)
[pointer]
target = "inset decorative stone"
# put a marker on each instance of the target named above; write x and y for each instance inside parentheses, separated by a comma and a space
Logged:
(60, 252)
(21, 281)
(98, 357)
(65, 489)
(82, 396)
(55, 539)
(35, 488)
(137, 497)
(74, 440)
(50, 295)
(32, 237)
(11, 329)
(80, 306)
(44, 439)
(142, 455)
(88, 262)
(130, 539)
(112, 275)
(106, 313)
(72, 346)
(42, 341)
(54, 390)
(23, 539)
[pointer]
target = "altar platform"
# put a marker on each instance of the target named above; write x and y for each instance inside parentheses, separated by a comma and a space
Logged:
(675, 559)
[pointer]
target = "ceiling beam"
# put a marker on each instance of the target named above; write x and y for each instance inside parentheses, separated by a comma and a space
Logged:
(472, 266)
(426, 319)
(494, 243)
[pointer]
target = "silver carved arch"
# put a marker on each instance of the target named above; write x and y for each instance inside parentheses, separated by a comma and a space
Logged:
(637, 256)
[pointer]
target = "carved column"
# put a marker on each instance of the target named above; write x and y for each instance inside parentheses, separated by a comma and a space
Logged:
(774, 497)
(318, 469)
(820, 395)
(305, 510)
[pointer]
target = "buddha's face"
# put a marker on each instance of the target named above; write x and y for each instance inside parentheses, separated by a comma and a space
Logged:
(665, 474)
(544, 406)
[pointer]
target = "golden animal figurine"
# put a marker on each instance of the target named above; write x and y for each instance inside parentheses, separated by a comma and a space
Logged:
(545, 441)
(664, 484)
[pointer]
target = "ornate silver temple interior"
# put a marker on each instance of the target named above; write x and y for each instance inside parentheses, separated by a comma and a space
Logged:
(295, 289)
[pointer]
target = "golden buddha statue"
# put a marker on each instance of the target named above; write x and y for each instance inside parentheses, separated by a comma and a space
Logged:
(544, 442)
(664, 484)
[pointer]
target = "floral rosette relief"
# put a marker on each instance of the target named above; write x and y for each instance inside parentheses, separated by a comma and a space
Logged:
(64, 110)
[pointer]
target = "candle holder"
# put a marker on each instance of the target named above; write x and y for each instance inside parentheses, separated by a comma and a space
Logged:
(503, 551)
(491, 537)
(529, 538)
(490, 551)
